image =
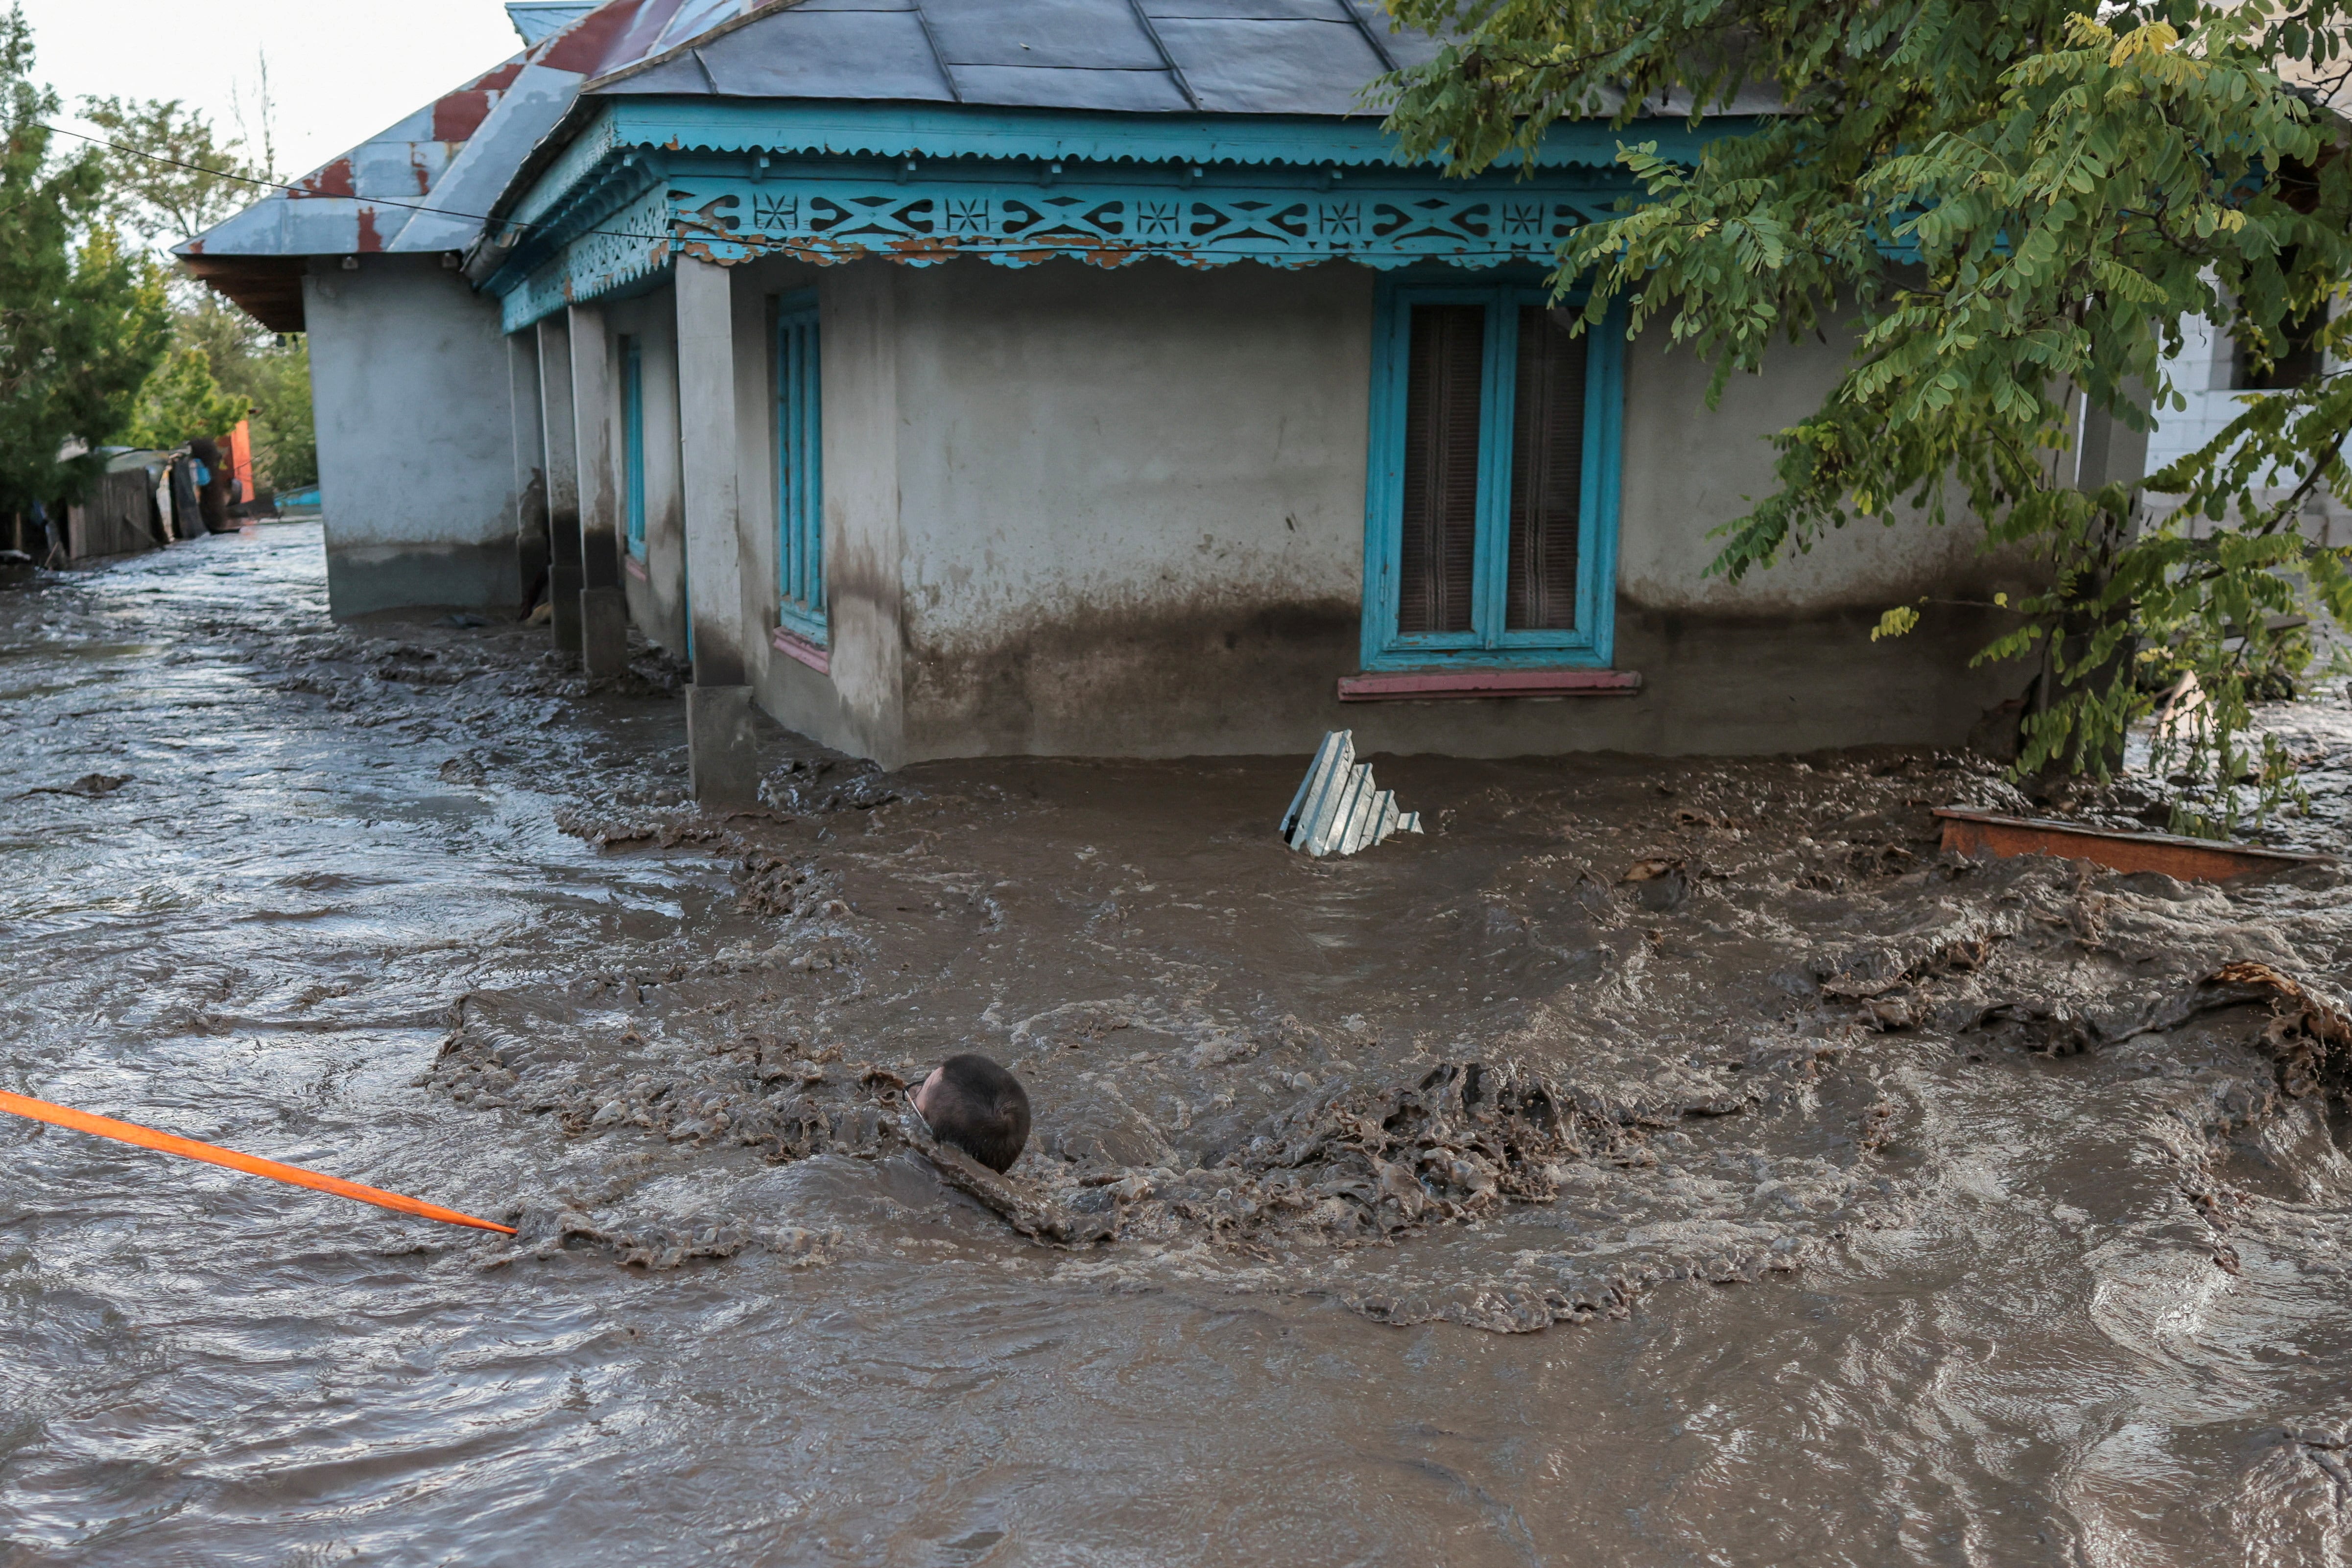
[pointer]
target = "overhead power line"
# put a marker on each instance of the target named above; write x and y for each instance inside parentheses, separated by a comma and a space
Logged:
(300, 193)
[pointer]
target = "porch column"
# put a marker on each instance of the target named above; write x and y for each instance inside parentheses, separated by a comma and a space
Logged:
(604, 609)
(529, 463)
(563, 480)
(720, 741)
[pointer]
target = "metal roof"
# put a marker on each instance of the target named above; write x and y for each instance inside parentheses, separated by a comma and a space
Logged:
(538, 19)
(423, 185)
(1141, 56)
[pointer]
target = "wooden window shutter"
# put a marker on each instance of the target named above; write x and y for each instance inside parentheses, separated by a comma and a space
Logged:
(799, 469)
(1547, 475)
(1436, 563)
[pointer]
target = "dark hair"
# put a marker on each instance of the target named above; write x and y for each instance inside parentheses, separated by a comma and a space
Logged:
(982, 1109)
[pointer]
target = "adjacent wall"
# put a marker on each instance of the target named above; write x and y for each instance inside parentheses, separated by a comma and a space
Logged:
(1132, 504)
(1121, 512)
(412, 389)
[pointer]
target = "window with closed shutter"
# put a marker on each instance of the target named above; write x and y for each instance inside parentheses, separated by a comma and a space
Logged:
(633, 440)
(1437, 557)
(1492, 533)
(1547, 475)
(800, 477)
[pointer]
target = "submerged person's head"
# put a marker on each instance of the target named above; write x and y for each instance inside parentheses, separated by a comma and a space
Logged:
(976, 1105)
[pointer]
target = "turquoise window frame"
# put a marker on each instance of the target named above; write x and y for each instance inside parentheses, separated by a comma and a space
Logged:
(799, 468)
(633, 441)
(1488, 646)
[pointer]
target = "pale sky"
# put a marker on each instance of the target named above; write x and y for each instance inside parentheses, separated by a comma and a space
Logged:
(340, 70)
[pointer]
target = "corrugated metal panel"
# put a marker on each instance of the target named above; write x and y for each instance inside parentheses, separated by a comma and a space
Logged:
(1338, 809)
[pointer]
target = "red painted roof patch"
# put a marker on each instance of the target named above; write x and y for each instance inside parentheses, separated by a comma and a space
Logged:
(458, 115)
(368, 240)
(334, 180)
(584, 45)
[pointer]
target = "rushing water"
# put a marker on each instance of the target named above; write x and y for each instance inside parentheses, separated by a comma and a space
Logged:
(1880, 1209)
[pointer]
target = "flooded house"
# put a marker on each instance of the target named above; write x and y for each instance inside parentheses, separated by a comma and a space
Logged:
(950, 377)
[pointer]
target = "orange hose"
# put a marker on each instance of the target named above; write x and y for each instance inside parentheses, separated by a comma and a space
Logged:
(211, 1154)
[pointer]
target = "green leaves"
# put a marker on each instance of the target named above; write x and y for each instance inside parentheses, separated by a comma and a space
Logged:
(180, 401)
(2012, 205)
(194, 179)
(82, 321)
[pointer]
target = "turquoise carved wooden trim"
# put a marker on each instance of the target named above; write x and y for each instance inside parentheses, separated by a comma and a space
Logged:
(828, 211)
(924, 183)
(1109, 222)
(627, 244)
(1490, 643)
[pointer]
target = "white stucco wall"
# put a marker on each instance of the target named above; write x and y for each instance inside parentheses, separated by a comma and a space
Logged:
(412, 389)
(1077, 511)
(1132, 504)
(1121, 491)
(2202, 374)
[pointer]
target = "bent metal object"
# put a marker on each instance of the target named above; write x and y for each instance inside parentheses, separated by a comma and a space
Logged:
(189, 1149)
(1981, 833)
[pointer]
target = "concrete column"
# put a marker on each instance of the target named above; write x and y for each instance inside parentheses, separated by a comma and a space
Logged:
(604, 608)
(563, 460)
(529, 463)
(720, 740)
(2112, 452)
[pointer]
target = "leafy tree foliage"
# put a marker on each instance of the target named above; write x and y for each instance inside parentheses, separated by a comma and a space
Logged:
(180, 401)
(169, 176)
(2012, 205)
(82, 320)
(190, 179)
(269, 376)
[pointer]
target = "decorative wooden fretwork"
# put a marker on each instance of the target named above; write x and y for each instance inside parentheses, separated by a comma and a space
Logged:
(1019, 217)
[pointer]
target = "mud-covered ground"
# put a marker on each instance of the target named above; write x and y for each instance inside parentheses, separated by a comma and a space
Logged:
(1654, 1162)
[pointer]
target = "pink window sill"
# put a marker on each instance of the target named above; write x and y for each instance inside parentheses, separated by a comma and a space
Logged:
(1432, 685)
(800, 649)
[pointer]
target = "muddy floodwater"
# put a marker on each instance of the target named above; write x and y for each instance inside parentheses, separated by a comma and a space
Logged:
(1661, 1163)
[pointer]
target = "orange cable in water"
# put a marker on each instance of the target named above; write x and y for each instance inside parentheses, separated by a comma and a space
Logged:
(211, 1154)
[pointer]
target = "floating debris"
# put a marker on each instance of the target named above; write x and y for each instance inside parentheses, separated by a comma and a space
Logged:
(1337, 809)
(2188, 859)
(90, 786)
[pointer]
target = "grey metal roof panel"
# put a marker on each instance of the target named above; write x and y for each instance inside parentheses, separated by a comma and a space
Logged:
(1127, 91)
(1405, 46)
(823, 54)
(682, 76)
(1237, 57)
(1249, 10)
(1251, 66)
(691, 21)
(1088, 35)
